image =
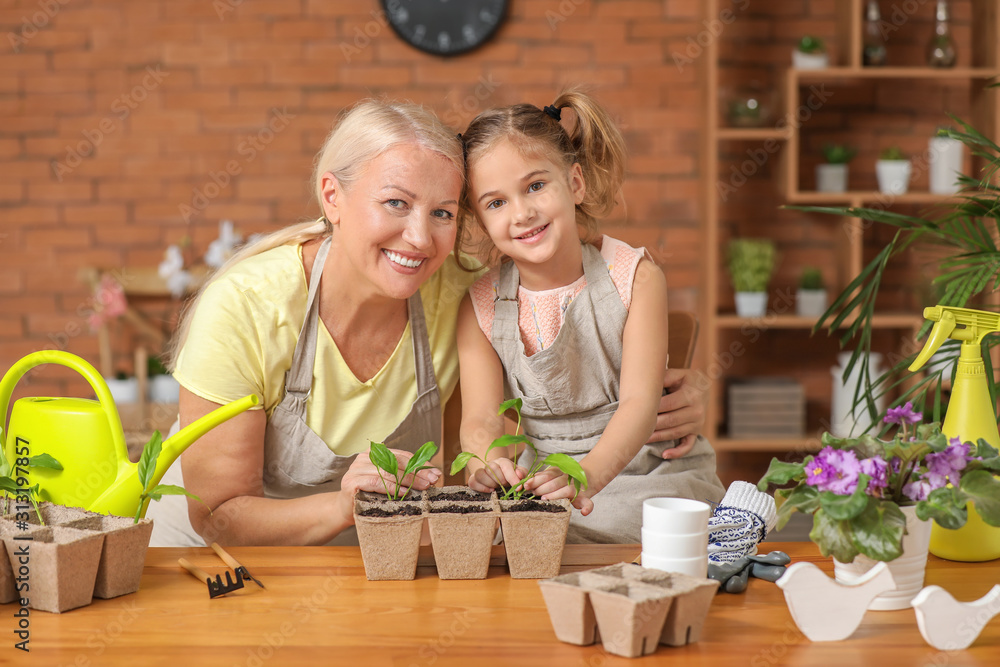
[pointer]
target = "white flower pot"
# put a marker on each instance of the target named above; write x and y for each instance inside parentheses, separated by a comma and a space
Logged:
(810, 302)
(751, 304)
(831, 178)
(124, 391)
(802, 60)
(946, 158)
(164, 389)
(893, 176)
(907, 570)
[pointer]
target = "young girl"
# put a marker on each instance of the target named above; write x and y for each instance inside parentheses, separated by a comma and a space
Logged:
(576, 330)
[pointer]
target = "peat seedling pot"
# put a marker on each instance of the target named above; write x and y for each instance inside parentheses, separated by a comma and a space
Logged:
(462, 524)
(389, 535)
(572, 615)
(631, 617)
(63, 566)
(534, 534)
(123, 554)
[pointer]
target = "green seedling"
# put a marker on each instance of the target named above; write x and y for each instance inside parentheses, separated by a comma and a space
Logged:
(147, 466)
(562, 462)
(892, 153)
(10, 486)
(385, 461)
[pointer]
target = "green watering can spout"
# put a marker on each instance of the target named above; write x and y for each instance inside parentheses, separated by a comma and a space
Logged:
(87, 439)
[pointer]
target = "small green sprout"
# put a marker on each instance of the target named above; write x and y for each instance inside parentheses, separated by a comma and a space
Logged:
(147, 467)
(562, 462)
(385, 460)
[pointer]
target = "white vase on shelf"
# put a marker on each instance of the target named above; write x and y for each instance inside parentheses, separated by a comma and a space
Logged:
(831, 177)
(751, 304)
(845, 421)
(945, 164)
(124, 390)
(893, 176)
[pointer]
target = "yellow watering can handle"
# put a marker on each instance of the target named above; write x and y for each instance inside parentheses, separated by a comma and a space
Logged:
(82, 367)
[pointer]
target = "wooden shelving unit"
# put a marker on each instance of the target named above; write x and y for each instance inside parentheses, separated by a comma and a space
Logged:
(846, 254)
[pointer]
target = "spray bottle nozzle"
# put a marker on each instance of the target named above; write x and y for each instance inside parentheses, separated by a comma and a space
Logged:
(975, 325)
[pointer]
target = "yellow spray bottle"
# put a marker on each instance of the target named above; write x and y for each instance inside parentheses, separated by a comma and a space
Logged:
(970, 416)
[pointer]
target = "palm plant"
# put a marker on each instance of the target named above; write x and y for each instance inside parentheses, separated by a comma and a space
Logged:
(966, 228)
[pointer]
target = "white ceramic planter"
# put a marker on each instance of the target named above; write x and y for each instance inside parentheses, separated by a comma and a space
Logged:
(802, 60)
(844, 421)
(945, 164)
(164, 389)
(124, 391)
(831, 177)
(751, 304)
(893, 176)
(907, 570)
(810, 302)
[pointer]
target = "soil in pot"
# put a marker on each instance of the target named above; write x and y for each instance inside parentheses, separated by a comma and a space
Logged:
(534, 537)
(390, 540)
(462, 531)
(123, 554)
(63, 566)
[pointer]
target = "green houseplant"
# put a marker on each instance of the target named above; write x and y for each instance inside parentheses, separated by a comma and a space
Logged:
(831, 175)
(810, 299)
(893, 171)
(810, 53)
(751, 264)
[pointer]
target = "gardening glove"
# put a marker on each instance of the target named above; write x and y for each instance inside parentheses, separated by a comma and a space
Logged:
(739, 523)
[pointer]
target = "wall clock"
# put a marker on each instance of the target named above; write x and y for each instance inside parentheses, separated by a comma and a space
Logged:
(445, 27)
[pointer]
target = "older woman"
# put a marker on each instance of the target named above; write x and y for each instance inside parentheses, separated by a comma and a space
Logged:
(345, 327)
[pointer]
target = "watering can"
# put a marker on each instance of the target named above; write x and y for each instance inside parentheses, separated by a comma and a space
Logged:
(87, 438)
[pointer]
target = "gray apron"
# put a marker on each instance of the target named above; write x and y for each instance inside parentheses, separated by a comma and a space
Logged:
(297, 462)
(570, 391)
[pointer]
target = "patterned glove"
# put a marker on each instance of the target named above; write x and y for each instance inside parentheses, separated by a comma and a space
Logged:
(740, 522)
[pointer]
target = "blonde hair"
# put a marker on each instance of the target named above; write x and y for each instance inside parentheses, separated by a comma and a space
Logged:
(594, 141)
(361, 134)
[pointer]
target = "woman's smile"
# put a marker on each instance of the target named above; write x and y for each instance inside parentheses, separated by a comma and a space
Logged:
(403, 262)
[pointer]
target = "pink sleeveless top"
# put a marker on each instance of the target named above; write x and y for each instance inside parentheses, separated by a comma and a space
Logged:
(541, 314)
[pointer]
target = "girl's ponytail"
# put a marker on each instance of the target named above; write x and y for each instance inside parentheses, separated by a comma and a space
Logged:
(600, 150)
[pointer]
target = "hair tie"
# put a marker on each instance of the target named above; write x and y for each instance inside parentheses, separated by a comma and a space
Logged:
(465, 153)
(553, 112)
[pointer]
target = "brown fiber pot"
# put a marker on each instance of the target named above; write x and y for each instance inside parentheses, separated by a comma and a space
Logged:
(8, 589)
(123, 554)
(570, 610)
(62, 565)
(631, 617)
(534, 541)
(461, 541)
(389, 545)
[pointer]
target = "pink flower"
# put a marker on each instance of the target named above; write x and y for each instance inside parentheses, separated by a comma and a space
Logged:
(834, 470)
(903, 414)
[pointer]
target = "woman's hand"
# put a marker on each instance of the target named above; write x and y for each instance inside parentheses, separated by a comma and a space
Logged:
(364, 476)
(551, 484)
(681, 412)
(502, 469)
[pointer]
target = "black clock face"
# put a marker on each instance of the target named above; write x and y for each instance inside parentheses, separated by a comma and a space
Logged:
(445, 27)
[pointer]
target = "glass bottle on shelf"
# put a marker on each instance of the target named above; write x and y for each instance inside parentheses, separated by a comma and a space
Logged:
(874, 51)
(941, 50)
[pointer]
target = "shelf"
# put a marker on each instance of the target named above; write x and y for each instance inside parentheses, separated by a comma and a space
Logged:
(804, 445)
(951, 73)
(888, 321)
(812, 197)
(753, 133)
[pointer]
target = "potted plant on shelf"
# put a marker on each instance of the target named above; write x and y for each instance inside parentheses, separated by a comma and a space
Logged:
(872, 500)
(831, 176)
(751, 264)
(163, 388)
(893, 171)
(534, 530)
(810, 299)
(810, 53)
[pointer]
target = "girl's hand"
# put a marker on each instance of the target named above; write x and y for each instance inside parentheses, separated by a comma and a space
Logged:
(499, 469)
(681, 412)
(551, 484)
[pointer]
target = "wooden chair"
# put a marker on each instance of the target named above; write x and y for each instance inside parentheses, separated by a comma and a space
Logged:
(682, 334)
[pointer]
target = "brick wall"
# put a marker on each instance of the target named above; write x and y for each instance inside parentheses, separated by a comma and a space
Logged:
(122, 119)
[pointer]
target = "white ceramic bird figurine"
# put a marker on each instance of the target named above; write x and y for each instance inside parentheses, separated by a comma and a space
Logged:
(950, 625)
(825, 609)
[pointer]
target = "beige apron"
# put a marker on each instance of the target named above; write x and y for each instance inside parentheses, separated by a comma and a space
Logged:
(297, 462)
(570, 391)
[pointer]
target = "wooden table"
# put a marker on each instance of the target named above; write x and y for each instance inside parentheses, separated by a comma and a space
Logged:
(319, 609)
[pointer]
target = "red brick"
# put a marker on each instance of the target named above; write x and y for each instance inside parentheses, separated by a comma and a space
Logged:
(374, 75)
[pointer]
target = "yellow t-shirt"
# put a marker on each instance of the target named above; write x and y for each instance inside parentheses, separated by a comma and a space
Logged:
(243, 336)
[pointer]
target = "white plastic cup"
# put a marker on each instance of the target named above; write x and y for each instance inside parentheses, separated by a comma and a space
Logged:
(675, 516)
(693, 567)
(662, 545)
